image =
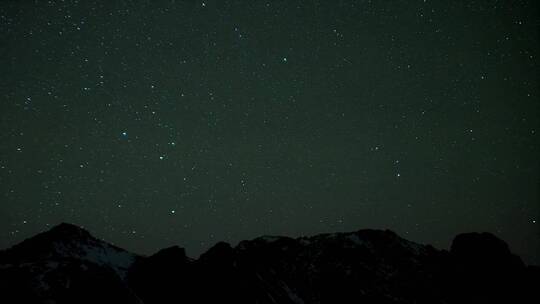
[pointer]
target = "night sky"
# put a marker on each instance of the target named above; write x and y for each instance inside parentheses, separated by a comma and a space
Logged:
(154, 123)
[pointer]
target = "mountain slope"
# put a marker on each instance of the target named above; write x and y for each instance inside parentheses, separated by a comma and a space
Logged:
(63, 263)
(68, 265)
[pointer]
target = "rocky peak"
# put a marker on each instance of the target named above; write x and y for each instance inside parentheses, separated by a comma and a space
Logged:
(67, 241)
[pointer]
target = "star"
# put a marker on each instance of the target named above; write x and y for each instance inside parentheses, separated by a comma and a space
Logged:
(236, 124)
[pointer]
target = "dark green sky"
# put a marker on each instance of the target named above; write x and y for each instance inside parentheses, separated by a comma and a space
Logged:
(154, 123)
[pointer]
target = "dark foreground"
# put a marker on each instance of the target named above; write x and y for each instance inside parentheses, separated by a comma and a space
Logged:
(68, 265)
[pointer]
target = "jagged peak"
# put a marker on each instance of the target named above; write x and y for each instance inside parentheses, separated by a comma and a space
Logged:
(484, 249)
(376, 241)
(69, 241)
(44, 241)
(478, 242)
(67, 230)
(222, 249)
(173, 252)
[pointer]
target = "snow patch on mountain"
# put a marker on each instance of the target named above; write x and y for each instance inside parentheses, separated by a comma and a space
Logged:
(97, 252)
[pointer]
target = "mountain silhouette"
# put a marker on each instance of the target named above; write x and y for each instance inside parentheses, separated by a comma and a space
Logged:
(68, 265)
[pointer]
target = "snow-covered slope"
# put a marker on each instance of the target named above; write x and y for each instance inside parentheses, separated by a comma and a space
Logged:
(67, 241)
(64, 260)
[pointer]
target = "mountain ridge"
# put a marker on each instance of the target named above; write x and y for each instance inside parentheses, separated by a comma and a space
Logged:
(67, 264)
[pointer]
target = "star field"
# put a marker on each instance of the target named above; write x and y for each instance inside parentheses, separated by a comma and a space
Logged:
(188, 122)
